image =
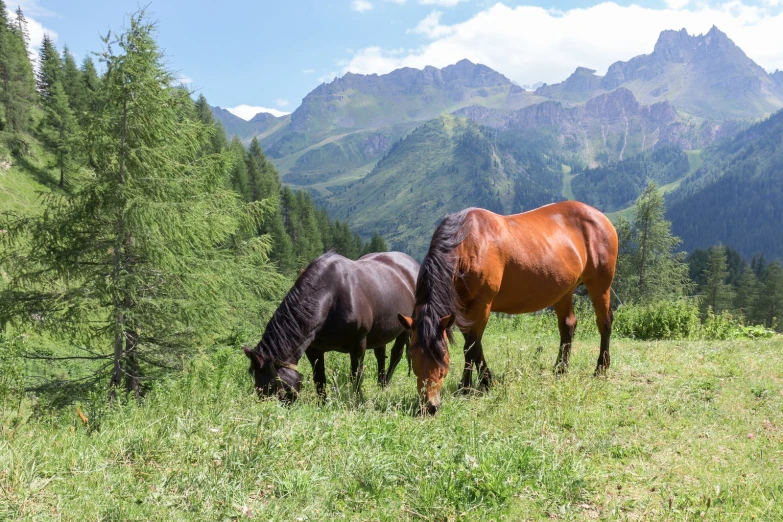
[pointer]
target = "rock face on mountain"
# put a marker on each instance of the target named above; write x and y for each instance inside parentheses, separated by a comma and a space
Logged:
(343, 127)
(706, 76)
(608, 128)
(582, 85)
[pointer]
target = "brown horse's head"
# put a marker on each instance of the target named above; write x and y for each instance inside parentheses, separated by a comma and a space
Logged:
(273, 377)
(430, 372)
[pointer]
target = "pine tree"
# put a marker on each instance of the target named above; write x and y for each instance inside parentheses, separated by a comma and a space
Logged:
(746, 294)
(17, 83)
(151, 255)
(59, 129)
(73, 84)
(376, 244)
(716, 293)
(264, 179)
(770, 300)
(238, 178)
(648, 268)
(218, 140)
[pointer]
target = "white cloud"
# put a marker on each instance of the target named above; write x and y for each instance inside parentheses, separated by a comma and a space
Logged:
(361, 5)
(246, 112)
(282, 102)
(328, 77)
(442, 3)
(528, 43)
(431, 27)
(184, 79)
(677, 4)
(308, 71)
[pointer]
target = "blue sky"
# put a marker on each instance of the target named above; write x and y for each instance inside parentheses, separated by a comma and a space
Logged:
(270, 54)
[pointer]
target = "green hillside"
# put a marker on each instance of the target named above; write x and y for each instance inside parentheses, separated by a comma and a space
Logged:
(445, 165)
(737, 195)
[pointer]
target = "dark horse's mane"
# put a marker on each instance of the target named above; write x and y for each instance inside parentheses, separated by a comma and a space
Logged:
(436, 296)
(295, 318)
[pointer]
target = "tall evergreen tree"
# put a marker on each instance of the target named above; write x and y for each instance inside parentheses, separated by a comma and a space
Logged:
(648, 268)
(17, 83)
(770, 300)
(218, 140)
(716, 293)
(149, 256)
(746, 294)
(238, 178)
(73, 84)
(376, 244)
(59, 129)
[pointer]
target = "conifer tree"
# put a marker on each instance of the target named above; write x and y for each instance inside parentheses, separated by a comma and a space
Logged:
(73, 84)
(238, 178)
(648, 268)
(59, 129)
(747, 294)
(151, 255)
(376, 244)
(716, 293)
(218, 140)
(17, 83)
(770, 300)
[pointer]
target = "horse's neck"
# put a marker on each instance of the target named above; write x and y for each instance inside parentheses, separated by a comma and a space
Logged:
(299, 339)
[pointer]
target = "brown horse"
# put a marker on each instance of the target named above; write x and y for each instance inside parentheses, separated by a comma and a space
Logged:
(480, 262)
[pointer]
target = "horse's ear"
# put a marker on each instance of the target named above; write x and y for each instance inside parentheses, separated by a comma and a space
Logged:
(255, 357)
(447, 322)
(406, 322)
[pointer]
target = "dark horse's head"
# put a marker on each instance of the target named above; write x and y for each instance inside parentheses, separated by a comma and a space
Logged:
(273, 377)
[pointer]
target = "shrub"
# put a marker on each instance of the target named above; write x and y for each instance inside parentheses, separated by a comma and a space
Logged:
(658, 321)
(725, 326)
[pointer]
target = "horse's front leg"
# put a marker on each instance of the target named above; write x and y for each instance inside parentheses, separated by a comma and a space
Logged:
(380, 358)
(316, 358)
(470, 350)
(396, 354)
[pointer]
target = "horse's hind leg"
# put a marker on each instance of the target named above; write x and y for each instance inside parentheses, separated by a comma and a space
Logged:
(396, 354)
(566, 322)
(380, 357)
(357, 364)
(603, 318)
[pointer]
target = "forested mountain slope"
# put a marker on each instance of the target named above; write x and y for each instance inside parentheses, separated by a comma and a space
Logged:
(737, 195)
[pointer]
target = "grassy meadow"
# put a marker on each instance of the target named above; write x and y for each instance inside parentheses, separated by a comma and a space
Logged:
(687, 430)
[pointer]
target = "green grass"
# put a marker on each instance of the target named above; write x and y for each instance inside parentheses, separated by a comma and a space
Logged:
(665, 434)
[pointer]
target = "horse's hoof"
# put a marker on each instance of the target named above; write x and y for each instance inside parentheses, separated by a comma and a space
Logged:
(561, 369)
(600, 371)
(465, 390)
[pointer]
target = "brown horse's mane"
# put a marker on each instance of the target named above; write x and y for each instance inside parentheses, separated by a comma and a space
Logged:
(296, 316)
(436, 296)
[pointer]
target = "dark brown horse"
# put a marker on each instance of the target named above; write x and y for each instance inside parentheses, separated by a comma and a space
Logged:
(480, 262)
(336, 304)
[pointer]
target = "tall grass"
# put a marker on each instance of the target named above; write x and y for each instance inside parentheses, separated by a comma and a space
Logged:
(678, 429)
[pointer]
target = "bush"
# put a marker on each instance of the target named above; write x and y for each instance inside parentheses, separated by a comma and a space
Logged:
(664, 320)
(725, 326)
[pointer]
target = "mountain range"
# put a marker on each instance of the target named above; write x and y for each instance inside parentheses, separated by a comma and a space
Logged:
(393, 153)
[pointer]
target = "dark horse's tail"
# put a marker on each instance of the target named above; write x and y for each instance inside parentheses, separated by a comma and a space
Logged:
(436, 296)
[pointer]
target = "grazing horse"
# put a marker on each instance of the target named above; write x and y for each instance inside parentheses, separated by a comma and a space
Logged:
(336, 304)
(480, 262)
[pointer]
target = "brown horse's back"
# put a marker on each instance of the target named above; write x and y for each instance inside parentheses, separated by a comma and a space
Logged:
(533, 259)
